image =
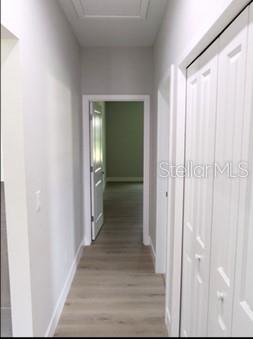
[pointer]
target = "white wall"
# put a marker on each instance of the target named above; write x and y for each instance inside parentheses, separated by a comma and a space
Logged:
(117, 70)
(51, 102)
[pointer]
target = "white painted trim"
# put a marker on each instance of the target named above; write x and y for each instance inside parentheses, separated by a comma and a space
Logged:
(146, 167)
(86, 160)
(179, 122)
(86, 174)
(180, 108)
(124, 179)
(168, 321)
(163, 121)
(64, 293)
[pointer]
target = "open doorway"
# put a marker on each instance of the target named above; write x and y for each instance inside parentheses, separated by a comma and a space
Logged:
(116, 125)
(16, 303)
(117, 143)
(117, 155)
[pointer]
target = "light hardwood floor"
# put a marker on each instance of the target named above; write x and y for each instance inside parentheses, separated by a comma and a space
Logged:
(115, 292)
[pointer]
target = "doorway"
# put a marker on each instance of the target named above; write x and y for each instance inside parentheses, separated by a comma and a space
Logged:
(116, 156)
(16, 306)
(94, 136)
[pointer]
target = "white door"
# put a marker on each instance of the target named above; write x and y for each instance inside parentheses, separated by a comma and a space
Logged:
(243, 296)
(200, 141)
(97, 171)
(229, 132)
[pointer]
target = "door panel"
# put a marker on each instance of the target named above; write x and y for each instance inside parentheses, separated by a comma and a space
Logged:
(200, 139)
(97, 172)
(204, 187)
(229, 132)
(243, 297)
(188, 266)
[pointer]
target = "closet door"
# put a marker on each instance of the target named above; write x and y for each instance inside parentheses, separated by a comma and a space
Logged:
(243, 297)
(230, 129)
(200, 139)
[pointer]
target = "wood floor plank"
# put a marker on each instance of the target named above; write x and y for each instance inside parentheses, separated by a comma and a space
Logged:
(115, 292)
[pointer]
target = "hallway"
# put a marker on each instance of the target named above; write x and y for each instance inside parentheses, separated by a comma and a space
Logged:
(115, 291)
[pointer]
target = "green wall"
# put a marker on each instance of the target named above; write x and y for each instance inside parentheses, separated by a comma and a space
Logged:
(124, 139)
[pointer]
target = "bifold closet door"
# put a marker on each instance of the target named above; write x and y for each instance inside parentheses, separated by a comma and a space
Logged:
(200, 141)
(231, 128)
(243, 296)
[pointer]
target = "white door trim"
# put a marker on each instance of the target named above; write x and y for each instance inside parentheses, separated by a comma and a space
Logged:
(178, 106)
(86, 161)
(163, 135)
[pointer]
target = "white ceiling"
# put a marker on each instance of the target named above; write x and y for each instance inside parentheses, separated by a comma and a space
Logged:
(115, 22)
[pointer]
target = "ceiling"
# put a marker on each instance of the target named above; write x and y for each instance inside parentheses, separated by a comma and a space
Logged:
(115, 22)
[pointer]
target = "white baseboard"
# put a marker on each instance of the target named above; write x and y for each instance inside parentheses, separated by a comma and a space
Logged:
(86, 242)
(124, 179)
(64, 293)
(153, 252)
(146, 240)
(168, 321)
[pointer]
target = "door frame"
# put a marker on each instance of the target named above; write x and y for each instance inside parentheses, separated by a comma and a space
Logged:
(86, 161)
(162, 184)
(178, 74)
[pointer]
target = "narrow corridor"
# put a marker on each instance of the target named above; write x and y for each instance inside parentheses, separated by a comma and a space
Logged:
(115, 291)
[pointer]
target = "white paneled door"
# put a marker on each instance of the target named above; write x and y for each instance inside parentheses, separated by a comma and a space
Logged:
(200, 141)
(97, 171)
(229, 132)
(242, 324)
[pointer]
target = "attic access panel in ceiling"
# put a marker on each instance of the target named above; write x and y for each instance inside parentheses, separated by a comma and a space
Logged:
(136, 9)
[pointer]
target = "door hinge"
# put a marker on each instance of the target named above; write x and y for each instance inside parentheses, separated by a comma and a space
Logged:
(166, 194)
(92, 218)
(91, 169)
